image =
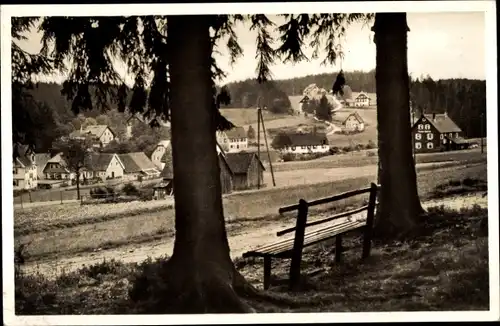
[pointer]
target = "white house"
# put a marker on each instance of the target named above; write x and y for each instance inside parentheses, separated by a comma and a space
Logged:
(361, 99)
(159, 151)
(354, 122)
(233, 140)
(138, 165)
(24, 170)
(104, 166)
(305, 143)
(102, 134)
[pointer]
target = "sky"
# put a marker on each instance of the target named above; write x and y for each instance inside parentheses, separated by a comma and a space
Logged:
(440, 44)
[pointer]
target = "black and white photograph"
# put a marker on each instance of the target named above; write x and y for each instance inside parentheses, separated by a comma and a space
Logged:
(249, 162)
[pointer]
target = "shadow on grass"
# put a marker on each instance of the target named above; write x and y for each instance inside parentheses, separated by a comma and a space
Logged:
(445, 267)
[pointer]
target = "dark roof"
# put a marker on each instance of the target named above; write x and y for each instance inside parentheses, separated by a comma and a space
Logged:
(99, 161)
(442, 122)
(41, 159)
(136, 162)
(356, 115)
(304, 99)
(236, 132)
(23, 158)
(240, 162)
(307, 139)
(56, 169)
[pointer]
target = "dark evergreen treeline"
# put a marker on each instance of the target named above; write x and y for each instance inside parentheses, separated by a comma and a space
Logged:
(463, 99)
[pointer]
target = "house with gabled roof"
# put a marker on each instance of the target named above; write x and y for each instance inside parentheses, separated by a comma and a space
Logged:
(437, 132)
(56, 169)
(359, 99)
(233, 140)
(304, 143)
(246, 169)
(41, 160)
(137, 166)
(159, 152)
(354, 122)
(104, 166)
(24, 169)
(166, 186)
(101, 134)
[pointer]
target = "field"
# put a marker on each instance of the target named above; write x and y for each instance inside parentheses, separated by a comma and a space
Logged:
(243, 117)
(445, 267)
(56, 232)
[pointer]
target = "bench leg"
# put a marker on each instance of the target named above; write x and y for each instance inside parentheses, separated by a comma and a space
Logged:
(338, 248)
(267, 272)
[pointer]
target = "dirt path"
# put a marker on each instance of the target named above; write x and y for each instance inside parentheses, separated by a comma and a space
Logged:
(241, 239)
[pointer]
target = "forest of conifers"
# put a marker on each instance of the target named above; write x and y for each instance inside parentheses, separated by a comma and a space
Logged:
(463, 99)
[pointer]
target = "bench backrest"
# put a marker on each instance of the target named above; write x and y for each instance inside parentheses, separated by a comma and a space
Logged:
(303, 206)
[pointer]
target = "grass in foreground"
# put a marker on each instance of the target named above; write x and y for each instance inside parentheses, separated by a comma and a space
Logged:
(444, 268)
(259, 205)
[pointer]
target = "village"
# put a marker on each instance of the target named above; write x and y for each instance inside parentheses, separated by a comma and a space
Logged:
(241, 167)
(338, 169)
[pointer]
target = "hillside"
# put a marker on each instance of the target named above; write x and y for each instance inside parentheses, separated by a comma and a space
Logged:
(463, 99)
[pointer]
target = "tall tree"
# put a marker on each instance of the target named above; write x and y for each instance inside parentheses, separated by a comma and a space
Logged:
(324, 110)
(400, 206)
(200, 276)
(25, 66)
(76, 155)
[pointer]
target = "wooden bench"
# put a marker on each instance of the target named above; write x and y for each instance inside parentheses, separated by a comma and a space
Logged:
(293, 247)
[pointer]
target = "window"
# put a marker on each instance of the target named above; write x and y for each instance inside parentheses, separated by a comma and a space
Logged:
(418, 145)
(16, 183)
(450, 135)
(293, 148)
(430, 136)
(314, 146)
(303, 147)
(441, 136)
(427, 127)
(430, 145)
(456, 135)
(418, 136)
(14, 170)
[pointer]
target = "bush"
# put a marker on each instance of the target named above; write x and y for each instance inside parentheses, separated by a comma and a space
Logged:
(146, 194)
(371, 145)
(102, 192)
(334, 150)
(130, 190)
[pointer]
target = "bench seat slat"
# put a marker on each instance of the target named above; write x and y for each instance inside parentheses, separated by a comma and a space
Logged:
(282, 248)
(320, 235)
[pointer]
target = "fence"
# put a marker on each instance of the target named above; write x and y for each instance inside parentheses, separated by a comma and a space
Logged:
(65, 195)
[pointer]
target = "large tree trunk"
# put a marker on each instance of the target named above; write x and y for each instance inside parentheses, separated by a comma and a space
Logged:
(201, 275)
(400, 206)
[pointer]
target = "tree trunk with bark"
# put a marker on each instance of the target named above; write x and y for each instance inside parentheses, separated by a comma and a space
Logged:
(400, 207)
(200, 277)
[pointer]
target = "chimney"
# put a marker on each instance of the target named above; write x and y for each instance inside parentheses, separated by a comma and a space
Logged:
(434, 117)
(445, 114)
